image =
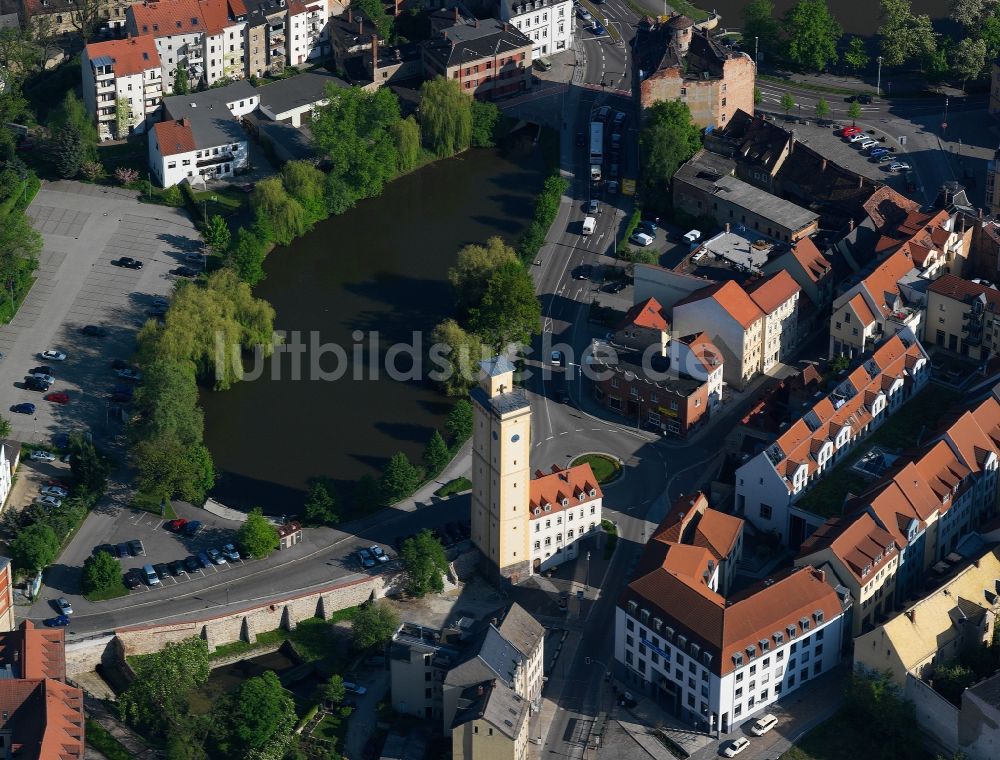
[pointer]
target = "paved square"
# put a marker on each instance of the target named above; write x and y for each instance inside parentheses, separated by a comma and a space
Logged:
(50, 220)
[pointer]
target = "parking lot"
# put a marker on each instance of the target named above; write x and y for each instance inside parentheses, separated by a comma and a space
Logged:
(84, 228)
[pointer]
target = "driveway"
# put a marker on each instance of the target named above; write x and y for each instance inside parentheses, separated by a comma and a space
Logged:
(84, 227)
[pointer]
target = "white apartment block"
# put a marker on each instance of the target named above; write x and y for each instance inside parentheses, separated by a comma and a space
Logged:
(565, 506)
(547, 23)
(122, 84)
(769, 484)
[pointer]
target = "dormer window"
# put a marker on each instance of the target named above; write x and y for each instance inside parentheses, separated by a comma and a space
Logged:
(779, 638)
(593, 493)
(818, 616)
(565, 502)
(738, 660)
(751, 651)
(764, 645)
(790, 629)
(657, 624)
(632, 608)
(682, 642)
(538, 511)
(694, 649)
(548, 507)
(668, 632)
(706, 657)
(644, 616)
(804, 622)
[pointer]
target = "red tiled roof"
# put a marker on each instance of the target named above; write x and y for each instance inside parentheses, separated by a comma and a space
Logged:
(649, 314)
(704, 350)
(572, 483)
(168, 17)
(174, 137)
(731, 298)
(860, 544)
(773, 291)
(883, 283)
(130, 56)
(965, 290)
(811, 260)
(885, 206)
(862, 310)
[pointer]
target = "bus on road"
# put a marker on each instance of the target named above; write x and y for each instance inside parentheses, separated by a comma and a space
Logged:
(596, 143)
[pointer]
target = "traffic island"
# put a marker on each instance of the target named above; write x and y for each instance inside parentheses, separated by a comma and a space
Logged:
(607, 469)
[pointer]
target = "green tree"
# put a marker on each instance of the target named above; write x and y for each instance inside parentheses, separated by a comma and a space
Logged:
(399, 479)
(181, 745)
(320, 507)
(101, 573)
(374, 11)
(424, 563)
(839, 363)
(172, 196)
(971, 13)
(34, 547)
(989, 32)
(436, 454)
(668, 139)
(90, 469)
(905, 38)
(813, 34)
(182, 85)
(156, 700)
(458, 424)
(759, 22)
(4, 427)
(287, 217)
(970, 59)
(261, 718)
(473, 268)
(787, 103)
(373, 625)
(406, 133)
(509, 311)
(822, 109)
(72, 113)
(333, 690)
(68, 151)
(445, 116)
(951, 680)
(307, 185)
(123, 117)
(354, 132)
(86, 16)
(217, 235)
(873, 700)
(758, 97)
(456, 354)
(854, 111)
(856, 55)
(485, 119)
(256, 536)
(247, 256)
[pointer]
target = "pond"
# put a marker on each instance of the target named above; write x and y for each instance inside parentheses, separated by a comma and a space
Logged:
(371, 277)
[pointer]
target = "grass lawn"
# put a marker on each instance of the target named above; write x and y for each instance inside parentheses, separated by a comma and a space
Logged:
(332, 728)
(839, 738)
(99, 738)
(312, 638)
(458, 485)
(150, 503)
(900, 431)
(223, 203)
(8, 309)
(111, 593)
(606, 469)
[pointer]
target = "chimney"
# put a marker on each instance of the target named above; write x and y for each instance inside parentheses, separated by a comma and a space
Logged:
(361, 25)
(727, 232)
(822, 165)
(374, 54)
(861, 181)
(185, 122)
(479, 690)
(494, 622)
(477, 23)
(350, 16)
(819, 575)
(912, 615)
(850, 225)
(457, 16)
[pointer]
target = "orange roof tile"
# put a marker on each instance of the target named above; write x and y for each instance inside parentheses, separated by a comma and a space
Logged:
(885, 206)
(573, 483)
(134, 55)
(174, 137)
(859, 543)
(704, 350)
(773, 291)
(649, 314)
(168, 17)
(965, 291)
(811, 260)
(861, 310)
(731, 298)
(883, 283)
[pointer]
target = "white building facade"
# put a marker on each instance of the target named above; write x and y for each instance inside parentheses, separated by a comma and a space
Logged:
(547, 23)
(565, 507)
(122, 85)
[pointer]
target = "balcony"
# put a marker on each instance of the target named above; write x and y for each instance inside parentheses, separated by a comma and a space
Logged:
(222, 158)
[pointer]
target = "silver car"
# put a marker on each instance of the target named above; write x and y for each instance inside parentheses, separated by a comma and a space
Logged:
(64, 606)
(365, 558)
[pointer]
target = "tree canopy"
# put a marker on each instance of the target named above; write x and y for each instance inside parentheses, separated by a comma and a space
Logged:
(905, 38)
(445, 116)
(668, 139)
(424, 563)
(320, 506)
(101, 573)
(473, 268)
(262, 717)
(256, 536)
(813, 34)
(509, 311)
(373, 625)
(157, 699)
(34, 547)
(399, 479)
(759, 23)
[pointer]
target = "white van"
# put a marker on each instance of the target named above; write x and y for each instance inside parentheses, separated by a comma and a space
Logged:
(152, 579)
(692, 237)
(589, 223)
(762, 726)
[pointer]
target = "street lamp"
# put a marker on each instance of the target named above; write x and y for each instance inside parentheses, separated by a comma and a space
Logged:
(878, 82)
(756, 40)
(944, 122)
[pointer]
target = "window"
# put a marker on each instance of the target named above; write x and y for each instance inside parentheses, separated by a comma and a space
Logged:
(737, 711)
(765, 512)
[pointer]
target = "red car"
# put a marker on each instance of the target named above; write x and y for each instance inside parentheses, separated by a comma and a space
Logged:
(177, 525)
(58, 398)
(848, 131)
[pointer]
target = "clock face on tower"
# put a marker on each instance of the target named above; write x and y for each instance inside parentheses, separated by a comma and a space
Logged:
(515, 438)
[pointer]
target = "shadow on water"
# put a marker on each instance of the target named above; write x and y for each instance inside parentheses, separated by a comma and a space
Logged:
(854, 17)
(380, 267)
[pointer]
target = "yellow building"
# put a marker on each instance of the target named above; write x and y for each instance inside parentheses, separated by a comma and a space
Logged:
(491, 724)
(934, 630)
(963, 316)
(501, 446)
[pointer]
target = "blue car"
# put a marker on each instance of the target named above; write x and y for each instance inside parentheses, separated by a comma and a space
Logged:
(61, 440)
(204, 560)
(598, 29)
(192, 527)
(878, 152)
(59, 621)
(23, 408)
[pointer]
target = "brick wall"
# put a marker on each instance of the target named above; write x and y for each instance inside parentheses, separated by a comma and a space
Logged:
(712, 101)
(244, 625)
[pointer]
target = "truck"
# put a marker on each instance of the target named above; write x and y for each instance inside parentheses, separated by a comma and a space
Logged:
(589, 223)
(596, 143)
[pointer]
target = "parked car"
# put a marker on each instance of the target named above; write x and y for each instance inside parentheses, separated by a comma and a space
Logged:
(63, 605)
(177, 525)
(641, 239)
(40, 455)
(60, 397)
(353, 688)
(380, 555)
(763, 725)
(45, 379)
(229, 552)
(192, 527)
(127, 262)
(23, 408)
(192, 565)
(613, 187)
(216, 556)
(57, 491)
(598, 30)
(647, 227)
(616, 287)
(619, 119)
(133, 578)
(848, 131)
(136, 549)
(106, 548)
(858, 137)
(33, 383)
(51, 502)
(557, 358)
(204, 560)
(129, 374)
(161, 570)
(94, 331)
(899, 167)
(184, 272)
(878, 151)
(59, 621)
(736, 746)
(122, 550)
(584, 14)
(603, 112)
(177, 567)
(592, 206)
(886, 157)
(366, 559)
(865, 144)
(51, 355)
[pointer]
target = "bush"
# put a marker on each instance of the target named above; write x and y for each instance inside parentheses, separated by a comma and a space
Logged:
(546, 208)
(92, 170)
(126, 176)
(256, 536)
(172, 196)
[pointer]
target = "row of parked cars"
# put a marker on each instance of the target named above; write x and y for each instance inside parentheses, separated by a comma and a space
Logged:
(877, 152)
(152, 574)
